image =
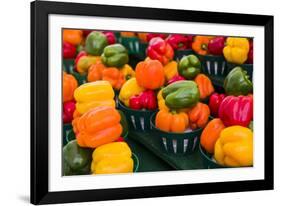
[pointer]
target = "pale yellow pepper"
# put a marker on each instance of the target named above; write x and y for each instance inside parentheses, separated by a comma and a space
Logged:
(112, 158)
(129, 89)
(171, 70)
(85, 62)
(236, 50)
(234, 147)
(127, 71)
(94, 94)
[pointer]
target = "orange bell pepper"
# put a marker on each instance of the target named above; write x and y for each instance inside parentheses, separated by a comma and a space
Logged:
(171, 121)
(127, 34)
(199, 115)
(114, 77)
(95, 72)
(98, 126)
(69, 85)
(205, 86)
(210, 134)
(72, 36)
(200, 44)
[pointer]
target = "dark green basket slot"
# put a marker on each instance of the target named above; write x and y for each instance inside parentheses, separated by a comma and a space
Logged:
(207, 160)
(132, 44)
(142, 51)
(68, 65)
(81, 79)
(138, 120)
(68, 133)
(246, 67)
(177, 143)
(214, 65)
(184, 52)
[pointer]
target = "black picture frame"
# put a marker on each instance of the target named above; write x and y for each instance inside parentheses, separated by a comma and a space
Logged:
(39, 102)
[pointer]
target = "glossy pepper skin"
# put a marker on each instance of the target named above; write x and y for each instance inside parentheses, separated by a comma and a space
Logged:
(175, 79)
(127, 71)
(237, 82)
(181, 94)
(200, 44)
(199, 115)
(112, 158)
(78, 56)
(172, 121)
(77, 160)
(177, 41)
(236, 110)
(216, 46)
(129, 89)
(214, 103)
(69, 84)
(161, 101)
(145, 100)
(94, 94)
(68, 110)
(98, 126)
(210, 134)
(236, 50)
(171, 70)
(69, 51)
(153, 35)
(85, 62)
(189, 66)
(234, 147)
(95, 43)
(111, 39)
(159, 49)
(115, 55)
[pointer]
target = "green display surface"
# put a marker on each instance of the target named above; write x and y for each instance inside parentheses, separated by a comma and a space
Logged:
(148, 162)
(178, 162)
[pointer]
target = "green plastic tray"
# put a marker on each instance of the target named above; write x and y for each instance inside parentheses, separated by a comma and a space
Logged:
(178, 162)
(214, 65)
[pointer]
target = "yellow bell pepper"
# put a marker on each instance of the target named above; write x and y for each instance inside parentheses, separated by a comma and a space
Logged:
(234, 147)
(128, 72)
(236, 50)
(112, 158)
(129, 89)
(94, 94)
(161, 102)
(85, 63)
(171, 70)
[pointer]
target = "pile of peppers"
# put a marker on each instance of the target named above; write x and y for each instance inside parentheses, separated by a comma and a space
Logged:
(183, 98)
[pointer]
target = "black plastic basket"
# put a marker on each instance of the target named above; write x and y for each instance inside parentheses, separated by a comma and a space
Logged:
(214, 65)
(207, 159)
(177, 143)
(138, 120)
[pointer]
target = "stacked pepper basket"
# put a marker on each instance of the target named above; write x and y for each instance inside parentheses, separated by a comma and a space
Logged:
(138, 102)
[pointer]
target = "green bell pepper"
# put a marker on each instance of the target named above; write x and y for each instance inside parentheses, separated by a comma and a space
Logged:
(115, 55)
(95, 43)
(76, 160)
(181, 94)
(237, 82)
(189, 66)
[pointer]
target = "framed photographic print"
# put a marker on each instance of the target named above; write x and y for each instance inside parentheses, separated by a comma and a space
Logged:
(131, 102)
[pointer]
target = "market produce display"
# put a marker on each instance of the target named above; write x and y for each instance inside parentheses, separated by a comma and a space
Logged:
(186, 98)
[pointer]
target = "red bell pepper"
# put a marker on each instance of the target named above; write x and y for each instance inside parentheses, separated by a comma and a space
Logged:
(189, 41)
(120, 139)
(68, 110)
(69, 50)
(216, 45)
(145, 100)
(152, 35)
(159, 49)
(111, 39)
(177, 41)
(236, 110)
(250, 54)
(214, 103)
(175, 79)
(86, 32)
